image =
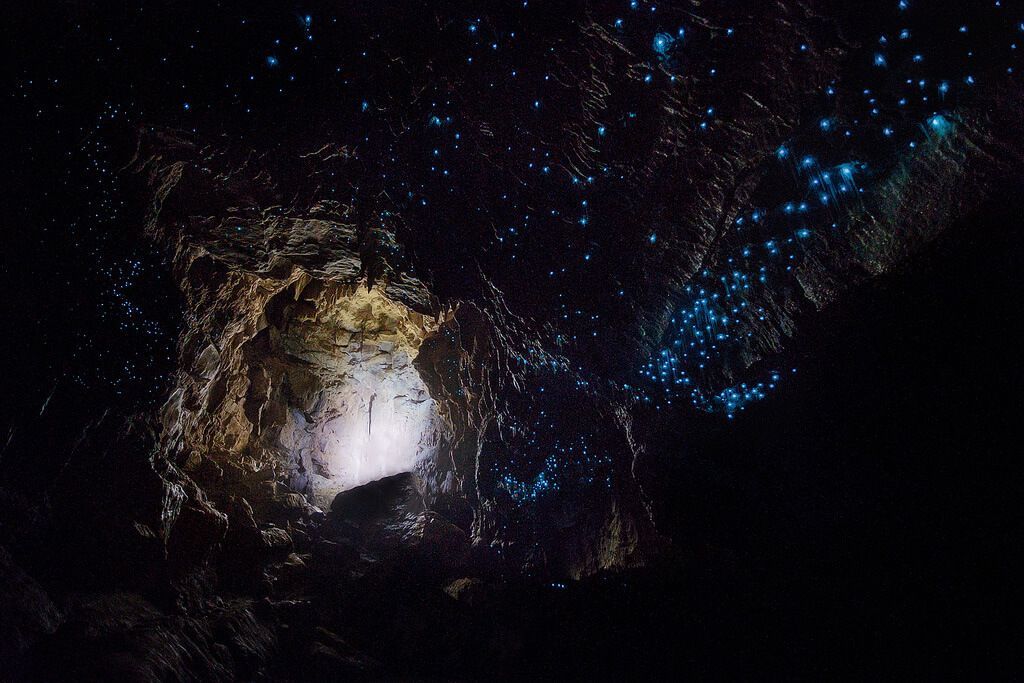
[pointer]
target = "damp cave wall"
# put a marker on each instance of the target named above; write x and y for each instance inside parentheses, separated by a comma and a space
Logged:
(259, 316)
(268, 212)
(167, 520)
(225, 224)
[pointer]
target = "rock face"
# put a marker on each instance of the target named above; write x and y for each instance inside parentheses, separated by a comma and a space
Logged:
(29, 611)
(303, 373)
(123, 637)
(402, 381)
(299, 377)
(333, 342)
(315, 381)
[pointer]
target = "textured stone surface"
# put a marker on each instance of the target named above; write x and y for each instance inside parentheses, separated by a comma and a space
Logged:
(387, 407)
(28, 612)
(301, 316)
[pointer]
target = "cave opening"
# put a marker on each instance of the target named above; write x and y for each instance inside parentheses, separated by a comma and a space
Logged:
(353, 406)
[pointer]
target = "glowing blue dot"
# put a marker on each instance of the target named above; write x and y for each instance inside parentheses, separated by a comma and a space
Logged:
(272, 61)
(939, 124)
(661, 43)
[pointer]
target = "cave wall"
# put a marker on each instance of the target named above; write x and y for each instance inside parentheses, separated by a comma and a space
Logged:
(277, 343)
(548, 354)
(530, 451)
(547, 282)
(291, 381)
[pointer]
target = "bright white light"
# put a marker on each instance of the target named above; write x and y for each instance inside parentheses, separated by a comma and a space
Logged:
(382, 425)
(359, 410)
(375, 437)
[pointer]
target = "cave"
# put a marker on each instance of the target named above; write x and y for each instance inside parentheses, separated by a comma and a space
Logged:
(321, 386)
(342, 367)
(524, 341)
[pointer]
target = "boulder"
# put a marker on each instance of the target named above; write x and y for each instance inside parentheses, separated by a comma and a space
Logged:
(376, 501)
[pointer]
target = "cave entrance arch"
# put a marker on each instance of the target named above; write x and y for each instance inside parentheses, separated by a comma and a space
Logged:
(356, 408)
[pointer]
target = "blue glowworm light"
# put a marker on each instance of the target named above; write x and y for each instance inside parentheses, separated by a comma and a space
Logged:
(662, 43)
(940, 125)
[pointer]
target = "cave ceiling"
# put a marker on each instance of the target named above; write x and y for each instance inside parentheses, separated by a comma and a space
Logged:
(455, 280)
(629, 210)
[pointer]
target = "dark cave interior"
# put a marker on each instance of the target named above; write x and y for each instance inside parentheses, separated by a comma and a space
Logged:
(887, 514)
(434, 341)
